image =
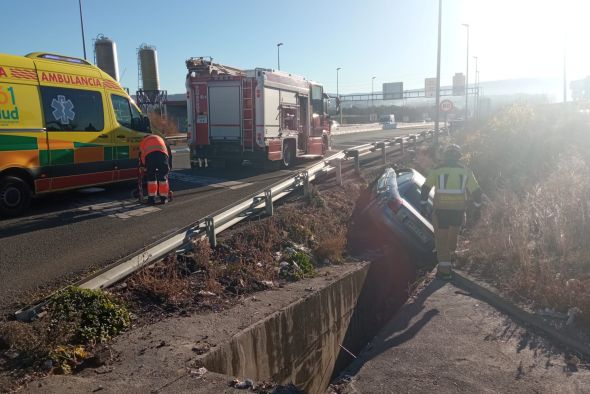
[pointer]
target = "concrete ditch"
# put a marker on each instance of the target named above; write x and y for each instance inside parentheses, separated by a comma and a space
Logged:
(311, 340)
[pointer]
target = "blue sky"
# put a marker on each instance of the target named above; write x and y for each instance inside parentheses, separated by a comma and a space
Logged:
(393, 40)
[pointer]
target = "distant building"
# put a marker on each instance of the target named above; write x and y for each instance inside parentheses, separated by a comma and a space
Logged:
(176, 110)
(580, 89)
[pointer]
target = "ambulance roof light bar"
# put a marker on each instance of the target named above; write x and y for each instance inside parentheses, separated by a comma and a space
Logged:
(59, 58)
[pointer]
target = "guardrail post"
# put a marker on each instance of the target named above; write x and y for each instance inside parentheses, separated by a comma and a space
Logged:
(210, 227)
(383, 152)
(268, 202)
(306, 189)
(400, 141)
(338, 171)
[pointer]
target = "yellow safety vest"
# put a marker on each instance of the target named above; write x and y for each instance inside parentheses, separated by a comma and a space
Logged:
(451, 185)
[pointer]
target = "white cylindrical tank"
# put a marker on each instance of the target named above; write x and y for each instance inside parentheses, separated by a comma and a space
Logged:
(105, 51)
(148, 60)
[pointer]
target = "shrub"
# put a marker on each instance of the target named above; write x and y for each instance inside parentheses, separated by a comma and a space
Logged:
(304, 262)
(532, 237)
(89, 316)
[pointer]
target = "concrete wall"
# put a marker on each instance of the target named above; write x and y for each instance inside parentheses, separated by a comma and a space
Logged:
(297, 345)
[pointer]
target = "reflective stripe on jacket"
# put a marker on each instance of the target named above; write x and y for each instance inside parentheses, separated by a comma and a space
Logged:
(451, 184)
(151, 143)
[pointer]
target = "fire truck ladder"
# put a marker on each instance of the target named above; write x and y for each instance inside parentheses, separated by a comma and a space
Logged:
(247, 115)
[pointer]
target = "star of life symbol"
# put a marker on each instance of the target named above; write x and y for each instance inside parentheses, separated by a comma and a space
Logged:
(63, 109)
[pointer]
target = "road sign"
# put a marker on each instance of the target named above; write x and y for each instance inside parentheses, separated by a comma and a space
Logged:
(446, 106)
(430, 87)
(393, 91)
(458, 84)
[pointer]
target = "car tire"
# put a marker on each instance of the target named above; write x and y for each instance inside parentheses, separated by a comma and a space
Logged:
(15, 196)
(288, 155)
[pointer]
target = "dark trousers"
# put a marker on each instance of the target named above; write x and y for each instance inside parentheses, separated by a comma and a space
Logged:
(157, 167)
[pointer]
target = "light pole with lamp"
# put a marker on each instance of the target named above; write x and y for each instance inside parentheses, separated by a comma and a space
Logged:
(476, 99)
(372, 98)
(435, 139)
(279, 55)
(338, 94)
(82, 27)
(467, 76)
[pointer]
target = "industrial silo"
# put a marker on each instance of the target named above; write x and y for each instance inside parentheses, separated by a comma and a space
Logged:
(148, 62)
(105, 53)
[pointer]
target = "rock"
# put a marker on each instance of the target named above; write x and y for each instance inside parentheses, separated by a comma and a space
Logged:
(259, 265)
(283, 264)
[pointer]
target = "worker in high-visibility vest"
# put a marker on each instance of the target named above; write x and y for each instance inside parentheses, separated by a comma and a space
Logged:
(454, 186)
(156, 157)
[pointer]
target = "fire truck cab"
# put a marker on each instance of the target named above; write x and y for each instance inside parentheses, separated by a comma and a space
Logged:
(259, 115)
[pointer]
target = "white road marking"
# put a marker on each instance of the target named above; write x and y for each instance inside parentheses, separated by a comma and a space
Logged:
(207, 181)
(118, 209)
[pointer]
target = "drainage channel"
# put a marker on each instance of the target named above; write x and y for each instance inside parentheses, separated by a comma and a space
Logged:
(309, 342)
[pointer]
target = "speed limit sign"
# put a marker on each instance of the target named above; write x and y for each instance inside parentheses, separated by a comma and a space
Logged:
(446, 106)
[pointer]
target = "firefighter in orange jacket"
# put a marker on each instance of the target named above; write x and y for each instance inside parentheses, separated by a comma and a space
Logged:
(156, 157)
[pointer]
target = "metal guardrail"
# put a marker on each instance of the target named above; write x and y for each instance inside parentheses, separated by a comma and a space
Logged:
(259, 203)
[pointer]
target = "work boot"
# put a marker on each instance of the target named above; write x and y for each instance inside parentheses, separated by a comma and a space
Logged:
(444, 270)
(151, 200)
(163, 200)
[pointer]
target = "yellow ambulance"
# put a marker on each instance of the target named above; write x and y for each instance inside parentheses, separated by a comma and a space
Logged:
(64, 124)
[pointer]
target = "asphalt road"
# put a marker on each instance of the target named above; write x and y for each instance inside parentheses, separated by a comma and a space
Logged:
(66, 234)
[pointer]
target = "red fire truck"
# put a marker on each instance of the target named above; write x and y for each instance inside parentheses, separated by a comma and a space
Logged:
(259, 115)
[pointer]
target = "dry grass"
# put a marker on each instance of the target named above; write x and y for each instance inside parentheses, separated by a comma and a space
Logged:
(248, 258)
(532, 239)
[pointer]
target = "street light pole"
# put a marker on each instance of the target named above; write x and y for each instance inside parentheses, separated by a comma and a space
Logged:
(338, 94)
(372, 96)
(476, 100)
(467, 76)
(564, 70)
(435, 139)
(82, 27)
(279, 55)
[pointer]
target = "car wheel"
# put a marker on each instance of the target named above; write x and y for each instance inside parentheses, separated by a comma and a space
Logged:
(288, 155)
(15, 196)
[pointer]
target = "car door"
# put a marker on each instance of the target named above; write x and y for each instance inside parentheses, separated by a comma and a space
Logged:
(128, 134)
(80, 147)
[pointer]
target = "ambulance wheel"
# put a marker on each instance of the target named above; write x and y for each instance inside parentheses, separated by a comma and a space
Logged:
(15, 196)
(288, 155)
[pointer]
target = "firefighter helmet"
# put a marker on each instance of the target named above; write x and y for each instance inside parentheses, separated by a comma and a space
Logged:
(453, 152)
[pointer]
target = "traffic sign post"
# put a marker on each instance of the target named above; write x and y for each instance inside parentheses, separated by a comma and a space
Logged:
(446, 106)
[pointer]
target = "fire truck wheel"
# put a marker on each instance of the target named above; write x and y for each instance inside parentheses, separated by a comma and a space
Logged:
(288, 155)
(15, 196)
